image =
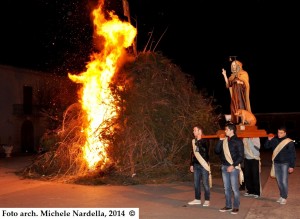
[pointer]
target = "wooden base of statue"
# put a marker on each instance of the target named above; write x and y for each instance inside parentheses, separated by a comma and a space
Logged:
(242, 131)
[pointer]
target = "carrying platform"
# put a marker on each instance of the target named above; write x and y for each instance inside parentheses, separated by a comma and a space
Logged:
(242, 131)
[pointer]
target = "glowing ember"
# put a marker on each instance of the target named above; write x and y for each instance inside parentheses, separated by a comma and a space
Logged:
(95, 97)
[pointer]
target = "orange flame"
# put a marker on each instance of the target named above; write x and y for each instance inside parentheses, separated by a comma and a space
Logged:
(95, 97)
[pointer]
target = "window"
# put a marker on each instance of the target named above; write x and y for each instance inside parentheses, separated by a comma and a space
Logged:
(27, 100)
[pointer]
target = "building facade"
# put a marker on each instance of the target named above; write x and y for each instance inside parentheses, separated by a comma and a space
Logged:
(23, 96)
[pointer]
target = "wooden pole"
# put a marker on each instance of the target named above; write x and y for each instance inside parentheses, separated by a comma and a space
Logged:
(127, 14)
(242, 131)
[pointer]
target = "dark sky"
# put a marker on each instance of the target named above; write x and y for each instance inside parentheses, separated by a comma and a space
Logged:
(56, 36)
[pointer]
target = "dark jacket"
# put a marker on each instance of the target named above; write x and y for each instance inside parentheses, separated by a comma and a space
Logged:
(236, 148)
(201, 147)
(287, 153)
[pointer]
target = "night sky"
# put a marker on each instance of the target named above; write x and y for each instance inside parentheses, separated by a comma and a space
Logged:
(199, 36)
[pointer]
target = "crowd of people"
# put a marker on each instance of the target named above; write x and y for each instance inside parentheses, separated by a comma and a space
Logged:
(233, 151)
(240, 157)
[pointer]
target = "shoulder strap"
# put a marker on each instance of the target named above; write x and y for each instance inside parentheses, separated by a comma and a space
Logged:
(248, 149)
(280, 146)
(199, 157)
(226, 151)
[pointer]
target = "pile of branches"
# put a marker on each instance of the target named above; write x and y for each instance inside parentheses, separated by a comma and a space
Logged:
(60, 155)
(158, 105)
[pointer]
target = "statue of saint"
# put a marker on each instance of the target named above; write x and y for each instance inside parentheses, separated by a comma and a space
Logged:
(238, 84)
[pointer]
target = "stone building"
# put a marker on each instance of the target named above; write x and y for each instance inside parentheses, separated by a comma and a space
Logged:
(23, 95)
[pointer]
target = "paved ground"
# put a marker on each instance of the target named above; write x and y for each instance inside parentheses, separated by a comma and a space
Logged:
(161, 201)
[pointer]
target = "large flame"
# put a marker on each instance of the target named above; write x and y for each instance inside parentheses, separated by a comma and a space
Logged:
(95, 97)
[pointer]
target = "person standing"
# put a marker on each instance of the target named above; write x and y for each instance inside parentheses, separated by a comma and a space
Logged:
(199, 165)
(252, 167)
(284, 158)
(231, 151)
(239, 87)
